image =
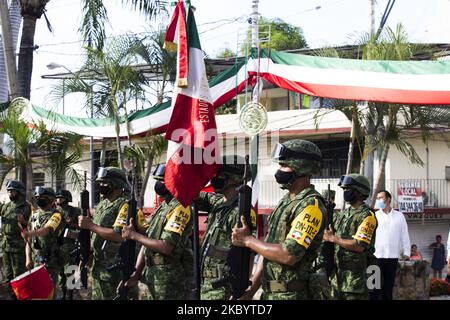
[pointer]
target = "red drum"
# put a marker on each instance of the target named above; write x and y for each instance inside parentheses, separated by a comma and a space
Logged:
(33, 284)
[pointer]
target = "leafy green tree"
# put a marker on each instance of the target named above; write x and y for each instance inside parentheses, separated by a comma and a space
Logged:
(282, 35)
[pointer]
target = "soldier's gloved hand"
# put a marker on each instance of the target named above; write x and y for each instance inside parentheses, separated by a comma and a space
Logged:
(127, 231)
(85, 222)
(240, 235)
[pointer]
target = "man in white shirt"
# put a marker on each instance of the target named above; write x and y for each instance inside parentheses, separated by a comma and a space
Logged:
(391, 241)
(448, 257)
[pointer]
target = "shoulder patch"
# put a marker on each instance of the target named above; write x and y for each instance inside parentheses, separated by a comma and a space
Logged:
(366, 229)
(253, 218)
(306, 225)
(178, 219)
(121, 219)
(54, 221)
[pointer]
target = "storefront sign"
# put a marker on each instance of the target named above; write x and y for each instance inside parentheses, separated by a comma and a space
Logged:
(425, 216)
(409, 195)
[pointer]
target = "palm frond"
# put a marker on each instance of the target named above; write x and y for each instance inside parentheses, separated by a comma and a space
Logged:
(94, 20)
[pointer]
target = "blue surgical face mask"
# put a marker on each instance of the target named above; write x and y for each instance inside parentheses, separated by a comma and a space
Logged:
(380, 204)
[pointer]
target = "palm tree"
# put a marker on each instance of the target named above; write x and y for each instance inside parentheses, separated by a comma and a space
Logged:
(109, 83)
(144, 157)
(382, 125)
(28, 143)
(385, 123)
(94, 20)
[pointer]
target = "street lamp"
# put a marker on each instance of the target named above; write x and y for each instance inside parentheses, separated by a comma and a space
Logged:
(54, 65)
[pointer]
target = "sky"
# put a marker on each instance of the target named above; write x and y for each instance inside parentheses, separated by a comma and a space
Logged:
(223, 24)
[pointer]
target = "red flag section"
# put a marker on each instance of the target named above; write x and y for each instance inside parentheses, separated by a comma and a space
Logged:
(193, 153)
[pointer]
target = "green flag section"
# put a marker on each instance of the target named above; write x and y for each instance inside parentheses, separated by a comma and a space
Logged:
(404, 82)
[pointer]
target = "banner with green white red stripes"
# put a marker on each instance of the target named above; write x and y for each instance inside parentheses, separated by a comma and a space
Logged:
(403, 82)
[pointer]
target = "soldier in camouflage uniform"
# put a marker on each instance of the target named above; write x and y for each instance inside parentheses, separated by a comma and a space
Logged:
(296, 227)
(14, 216)
(354, 238)
(324, 264)
(106, 227)
(42, 239)
(223, 215)
(68, 251)
(164, 246)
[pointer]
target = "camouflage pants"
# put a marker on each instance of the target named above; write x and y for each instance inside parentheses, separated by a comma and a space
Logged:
(349, 295)
(13, 266)
(103, 290)
(64, 274)
(319, 286)
(209, 293)
(165, 282)
(285, 295)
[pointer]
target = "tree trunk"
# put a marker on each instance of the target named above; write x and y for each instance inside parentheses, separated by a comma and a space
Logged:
(29, 177)
(9, 49)
(119, 149)
(380, 175)
(148, 170)
(103, 153)
(25, 68)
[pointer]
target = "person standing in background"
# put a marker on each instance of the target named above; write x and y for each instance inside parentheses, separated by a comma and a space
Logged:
(438, 260)
(448, 257)
(392, 240)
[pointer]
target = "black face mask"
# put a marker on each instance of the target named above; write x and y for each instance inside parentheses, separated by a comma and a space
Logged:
(350, 196)
(14, 198)
(218, 183)
(41, 202)
(105, 190)
(284, 178)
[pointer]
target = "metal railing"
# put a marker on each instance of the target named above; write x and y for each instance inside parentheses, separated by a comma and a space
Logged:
(435, 192)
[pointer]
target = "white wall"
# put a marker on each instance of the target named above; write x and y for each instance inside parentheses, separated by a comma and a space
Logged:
(398, 166)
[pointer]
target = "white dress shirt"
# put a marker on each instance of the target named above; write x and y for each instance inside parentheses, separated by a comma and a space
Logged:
(448, 245)
(392, 236)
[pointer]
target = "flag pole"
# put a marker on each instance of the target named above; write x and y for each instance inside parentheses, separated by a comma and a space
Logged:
(254, 144)
(196, 249)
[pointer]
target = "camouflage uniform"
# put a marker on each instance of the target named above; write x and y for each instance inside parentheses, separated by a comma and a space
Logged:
(104, 282)
(46, 249)
(165, 275)
(297, 223)
(350, 279)
(106, 273)
(222, 218)
(13, 245)
(68, 251)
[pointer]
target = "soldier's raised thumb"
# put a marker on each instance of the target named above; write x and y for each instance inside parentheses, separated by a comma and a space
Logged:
(244, 222)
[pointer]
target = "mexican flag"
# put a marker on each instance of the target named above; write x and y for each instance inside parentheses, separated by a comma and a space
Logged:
(193, 152)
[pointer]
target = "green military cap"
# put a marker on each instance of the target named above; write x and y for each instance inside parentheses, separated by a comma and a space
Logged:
(357, 182)
(303, 156)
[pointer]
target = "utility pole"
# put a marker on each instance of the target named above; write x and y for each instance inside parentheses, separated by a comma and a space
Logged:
(372, 17)
(254, 143)
(9, 49)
